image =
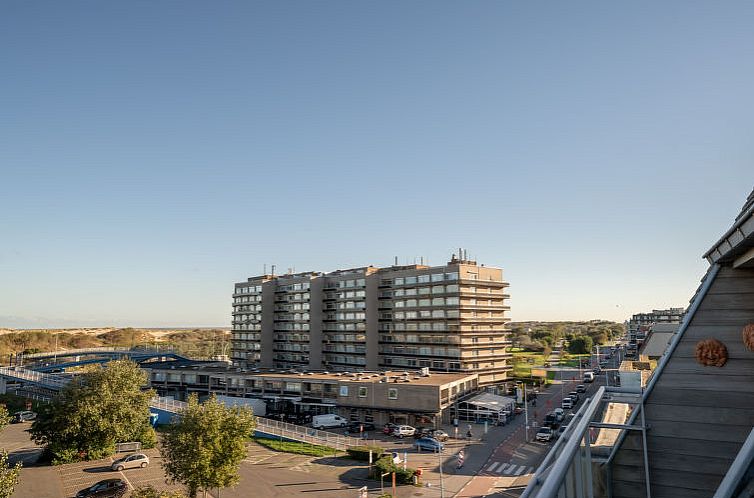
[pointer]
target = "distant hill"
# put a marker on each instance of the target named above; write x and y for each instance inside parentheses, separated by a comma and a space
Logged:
(197, 342)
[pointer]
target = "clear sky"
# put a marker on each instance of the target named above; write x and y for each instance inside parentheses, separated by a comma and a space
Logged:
(154, 153)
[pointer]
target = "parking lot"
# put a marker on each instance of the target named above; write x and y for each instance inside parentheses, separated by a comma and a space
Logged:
(77, 476)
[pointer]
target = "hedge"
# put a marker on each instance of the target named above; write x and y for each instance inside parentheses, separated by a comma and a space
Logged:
(361, 453)
(385, 465)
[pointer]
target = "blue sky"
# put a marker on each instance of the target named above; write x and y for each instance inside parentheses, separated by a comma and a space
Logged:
(153, 153)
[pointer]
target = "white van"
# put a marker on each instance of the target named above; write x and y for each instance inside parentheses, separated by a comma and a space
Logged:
(588, 376)
(328, 420)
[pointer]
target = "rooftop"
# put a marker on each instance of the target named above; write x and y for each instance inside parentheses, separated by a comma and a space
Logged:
(413, 377)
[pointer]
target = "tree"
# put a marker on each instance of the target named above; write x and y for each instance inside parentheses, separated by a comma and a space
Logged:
(8, 476)
(205, 446)
(580, 345)
(4, 416)
(102, 407)
(151, 492)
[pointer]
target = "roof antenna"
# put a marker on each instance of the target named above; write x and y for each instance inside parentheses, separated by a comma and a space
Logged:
(265, 269)
(273, 271)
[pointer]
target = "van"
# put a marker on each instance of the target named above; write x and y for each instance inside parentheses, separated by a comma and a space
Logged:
(566, 404)
(328, 420)
(588, 377)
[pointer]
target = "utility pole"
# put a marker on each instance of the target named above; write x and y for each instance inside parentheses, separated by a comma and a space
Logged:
(526, 413)
(442, 482)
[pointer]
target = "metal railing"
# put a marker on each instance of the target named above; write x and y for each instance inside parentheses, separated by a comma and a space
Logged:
(568, 470)
(307, 434)
(134, 351)
(167, 404)
(21, 374)
(738, 475)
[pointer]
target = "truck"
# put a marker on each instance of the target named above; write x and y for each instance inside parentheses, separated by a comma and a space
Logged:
(588, 376)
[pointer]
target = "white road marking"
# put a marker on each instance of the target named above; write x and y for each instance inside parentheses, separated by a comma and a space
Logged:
(492, 467)
(520, 470)
(506, 467)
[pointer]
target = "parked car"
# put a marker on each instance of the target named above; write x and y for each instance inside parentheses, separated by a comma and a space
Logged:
(575, 396)
(581, 388)
(131, 462)
(438, 434)
(566, 404)
(358, 427)
(597, 370)
(389, 428)
(544, 434)
(560, 431)
(108, 488)
(559, 414)
(403, 430)
(23, 416)
(420, 432)
(328, 420)
(428, 443)
(549, 420)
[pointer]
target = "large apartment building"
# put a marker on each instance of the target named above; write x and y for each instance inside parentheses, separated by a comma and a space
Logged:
(447, 318)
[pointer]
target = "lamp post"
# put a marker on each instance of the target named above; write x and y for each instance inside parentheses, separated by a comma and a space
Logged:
(442, 482)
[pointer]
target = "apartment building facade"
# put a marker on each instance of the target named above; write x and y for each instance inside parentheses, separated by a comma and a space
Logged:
(447, 318)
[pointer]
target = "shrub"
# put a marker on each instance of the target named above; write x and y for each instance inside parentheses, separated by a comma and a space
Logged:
(361, 453)
(385, 464)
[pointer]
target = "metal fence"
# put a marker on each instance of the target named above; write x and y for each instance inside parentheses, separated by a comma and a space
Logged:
(739, 475)
(307, 434)
(102, 349)
(167, 404)
(20, 374)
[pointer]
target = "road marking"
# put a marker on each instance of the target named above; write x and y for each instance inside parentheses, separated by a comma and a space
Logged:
(504, 466)
(492, 467)
(520, 470)
(511, 470)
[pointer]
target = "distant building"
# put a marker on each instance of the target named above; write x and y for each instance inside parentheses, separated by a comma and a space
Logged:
(449, 318)
(641, 323)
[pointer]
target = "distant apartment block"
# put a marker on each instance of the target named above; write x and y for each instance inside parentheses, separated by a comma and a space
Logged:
(645, 320)
(449, 318)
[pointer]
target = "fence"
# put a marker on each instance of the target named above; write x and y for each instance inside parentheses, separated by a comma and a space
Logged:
(50, 381)
(306, 434)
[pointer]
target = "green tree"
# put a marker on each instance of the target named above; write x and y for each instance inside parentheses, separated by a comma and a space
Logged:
(8, 476)
(102, 407)
(4, 416)
(580, 345)
(205, 446)
(151, 492)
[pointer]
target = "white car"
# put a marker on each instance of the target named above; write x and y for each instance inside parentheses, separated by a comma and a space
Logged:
(559, 414)
(131, 462)
(404, 430)
(567, 403)
(544, 434)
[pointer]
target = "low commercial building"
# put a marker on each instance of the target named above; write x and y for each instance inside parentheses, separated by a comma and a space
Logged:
(414, 398)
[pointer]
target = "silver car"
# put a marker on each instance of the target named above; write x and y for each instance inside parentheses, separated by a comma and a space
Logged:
(131, 461)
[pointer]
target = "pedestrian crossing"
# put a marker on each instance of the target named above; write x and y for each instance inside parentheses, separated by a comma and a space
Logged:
(508, 469)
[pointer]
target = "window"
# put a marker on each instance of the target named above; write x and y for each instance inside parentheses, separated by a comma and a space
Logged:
(410, 280)
(451, 276)
(423, 279)
(392, 393)
(399, 281)
(344, 390)
(362, 392)
(437, 277)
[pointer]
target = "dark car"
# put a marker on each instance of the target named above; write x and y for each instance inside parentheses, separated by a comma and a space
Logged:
(389, 428)
(358, 427)
(581, 388)
(422, 432)
(109, 488)
(550, 420)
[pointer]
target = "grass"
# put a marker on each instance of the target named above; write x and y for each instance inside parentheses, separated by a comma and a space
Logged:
(524, 360)
(296, 447)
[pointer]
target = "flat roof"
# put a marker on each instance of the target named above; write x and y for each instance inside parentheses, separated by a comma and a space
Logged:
(414, 377)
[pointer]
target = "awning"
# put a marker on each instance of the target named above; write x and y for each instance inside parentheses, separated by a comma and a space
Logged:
(491, 401)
